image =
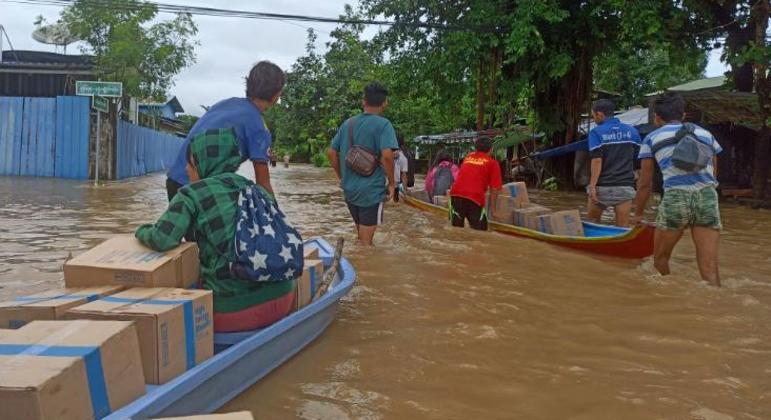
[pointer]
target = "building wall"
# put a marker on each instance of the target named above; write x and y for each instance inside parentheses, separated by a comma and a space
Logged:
(44, 136)
(141, 150)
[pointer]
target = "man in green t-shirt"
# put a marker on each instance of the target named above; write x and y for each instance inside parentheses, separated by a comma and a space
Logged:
(365, 195)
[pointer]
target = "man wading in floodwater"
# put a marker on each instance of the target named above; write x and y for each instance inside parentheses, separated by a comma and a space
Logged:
(244, 115)
(612, 149)
(687, 156)
(366, 193)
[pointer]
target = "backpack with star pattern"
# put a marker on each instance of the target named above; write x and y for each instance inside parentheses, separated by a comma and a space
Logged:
(266, 247)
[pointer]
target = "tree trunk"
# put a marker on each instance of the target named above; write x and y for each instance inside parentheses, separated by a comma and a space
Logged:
(562, 104)
(492, 94)
(737, 38)
(763, 88)
(481, 95)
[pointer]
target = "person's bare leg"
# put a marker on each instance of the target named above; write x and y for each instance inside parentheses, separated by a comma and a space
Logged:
(623, 211)
(366, 234)
(664, 242)
(707, 241)
(593, 211)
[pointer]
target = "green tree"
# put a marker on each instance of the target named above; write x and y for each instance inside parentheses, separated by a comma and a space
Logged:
(544, 49)
(128, 48)
(634, 72)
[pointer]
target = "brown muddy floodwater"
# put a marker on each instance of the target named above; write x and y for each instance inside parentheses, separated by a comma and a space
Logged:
(455, 324)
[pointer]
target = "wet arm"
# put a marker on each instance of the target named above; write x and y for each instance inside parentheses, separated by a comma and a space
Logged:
(168, 231)
(334, 160)
(262, 175)
(596, 170)
(644, 186)
(387, 160)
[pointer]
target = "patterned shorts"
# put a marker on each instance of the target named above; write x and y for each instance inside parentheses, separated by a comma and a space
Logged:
(613, 196)
(680, 209)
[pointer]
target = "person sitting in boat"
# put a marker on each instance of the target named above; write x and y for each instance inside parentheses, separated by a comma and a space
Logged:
(478, 173)
(209, 209)
(442, 175)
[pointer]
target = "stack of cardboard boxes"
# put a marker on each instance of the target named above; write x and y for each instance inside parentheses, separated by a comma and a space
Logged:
(127, 317)
(513, 206)
(513, 196)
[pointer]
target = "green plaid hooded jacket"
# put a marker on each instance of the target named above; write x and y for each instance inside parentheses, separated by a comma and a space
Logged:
(207, 209)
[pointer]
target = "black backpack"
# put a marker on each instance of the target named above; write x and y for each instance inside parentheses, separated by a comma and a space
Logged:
(689, 154)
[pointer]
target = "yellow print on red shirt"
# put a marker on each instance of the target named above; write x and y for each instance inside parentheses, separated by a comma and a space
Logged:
(475, 161)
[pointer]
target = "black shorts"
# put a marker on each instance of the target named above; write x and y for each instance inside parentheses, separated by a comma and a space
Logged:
(367, 216)
(463, 208)
(172, 187)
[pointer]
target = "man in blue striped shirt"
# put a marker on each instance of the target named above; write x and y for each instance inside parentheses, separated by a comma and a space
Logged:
(690, 197)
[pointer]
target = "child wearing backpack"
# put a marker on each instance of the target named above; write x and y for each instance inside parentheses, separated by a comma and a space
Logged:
(249, 257)
(441, 176)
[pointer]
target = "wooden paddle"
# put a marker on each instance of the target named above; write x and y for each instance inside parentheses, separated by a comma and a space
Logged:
(334, 268)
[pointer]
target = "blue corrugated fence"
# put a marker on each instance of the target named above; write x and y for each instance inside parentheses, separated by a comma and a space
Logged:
(142, 150)
(44, 136)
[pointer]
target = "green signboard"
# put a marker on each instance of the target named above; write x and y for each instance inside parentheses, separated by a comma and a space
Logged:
(100, 103)
(89, 88)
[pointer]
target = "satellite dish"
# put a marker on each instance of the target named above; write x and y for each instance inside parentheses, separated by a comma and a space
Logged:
(56, 34)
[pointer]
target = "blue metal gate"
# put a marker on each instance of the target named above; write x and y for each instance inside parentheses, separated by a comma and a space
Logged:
(44, 136)
(142, 150)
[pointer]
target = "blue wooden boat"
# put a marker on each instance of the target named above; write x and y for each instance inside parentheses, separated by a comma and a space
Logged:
(242, 359)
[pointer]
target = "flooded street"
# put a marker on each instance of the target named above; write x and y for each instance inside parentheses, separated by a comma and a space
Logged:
(454, 324)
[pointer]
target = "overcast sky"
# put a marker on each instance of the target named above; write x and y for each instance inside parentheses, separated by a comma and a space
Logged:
(229, 46)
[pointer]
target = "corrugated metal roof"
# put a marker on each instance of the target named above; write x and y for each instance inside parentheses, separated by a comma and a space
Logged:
(708, 83)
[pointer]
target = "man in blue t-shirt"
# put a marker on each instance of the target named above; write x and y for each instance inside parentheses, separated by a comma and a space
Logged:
(690, 196)
(365, 195)
(245, 116)
(612, 150)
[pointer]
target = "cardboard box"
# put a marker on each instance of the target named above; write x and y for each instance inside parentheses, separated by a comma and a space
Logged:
(123, 260)
(307, 283)
(241, 415)
(310, 253)
(175, 326)
(48, 305)
(562, 223)
(527, 217)
(442, 201)
(517, 191)
(69, 370)
(504, 209)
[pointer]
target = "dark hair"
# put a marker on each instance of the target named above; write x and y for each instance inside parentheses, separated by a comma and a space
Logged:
(442, 156)
(375, 94)
(484, 144)
(265, 80)
(670, 106)
(606, 106)
(400, 140)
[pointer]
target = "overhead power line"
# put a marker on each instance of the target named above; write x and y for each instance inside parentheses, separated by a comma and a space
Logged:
(245, 14)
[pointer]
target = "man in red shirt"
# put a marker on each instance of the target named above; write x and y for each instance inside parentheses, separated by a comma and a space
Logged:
(478, 172)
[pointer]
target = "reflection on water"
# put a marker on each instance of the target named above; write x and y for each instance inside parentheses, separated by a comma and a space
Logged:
(447, 323)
